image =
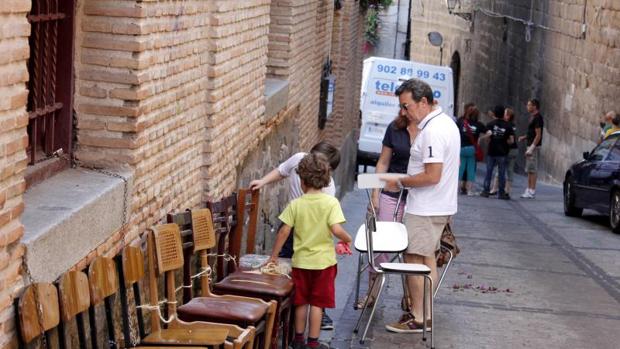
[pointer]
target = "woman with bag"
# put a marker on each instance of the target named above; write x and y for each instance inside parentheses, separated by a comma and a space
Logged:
(394, 158)
(470, 129)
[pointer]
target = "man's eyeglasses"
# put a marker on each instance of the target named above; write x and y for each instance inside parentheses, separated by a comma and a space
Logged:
(404, 106)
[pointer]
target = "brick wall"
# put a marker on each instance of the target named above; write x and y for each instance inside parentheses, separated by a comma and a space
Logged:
(14, 32)
(174, 92)
(576, 79)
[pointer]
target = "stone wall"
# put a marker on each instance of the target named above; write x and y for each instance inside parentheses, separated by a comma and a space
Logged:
(14, 32)
(575, 75)
(172, 93)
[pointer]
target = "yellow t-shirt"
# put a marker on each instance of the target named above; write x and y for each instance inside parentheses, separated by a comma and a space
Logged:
(312, 215)
(611, 130)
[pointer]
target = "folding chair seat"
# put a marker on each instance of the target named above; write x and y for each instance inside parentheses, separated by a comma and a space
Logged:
(391, 237)
(167, 257)
(371, 181)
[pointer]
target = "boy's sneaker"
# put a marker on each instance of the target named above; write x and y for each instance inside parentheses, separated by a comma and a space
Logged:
(484, 194)
(298, 345)
(407, 324)
(326, 323)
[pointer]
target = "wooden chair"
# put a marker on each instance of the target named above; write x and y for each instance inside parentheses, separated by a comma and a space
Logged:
(104, 284)
(130, 267)
(224, 214)
(267, 287)
(38, 314)
(166, 255)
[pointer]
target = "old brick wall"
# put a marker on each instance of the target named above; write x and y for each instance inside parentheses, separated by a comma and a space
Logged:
(174, 93)
(576, 78)
(14, 32)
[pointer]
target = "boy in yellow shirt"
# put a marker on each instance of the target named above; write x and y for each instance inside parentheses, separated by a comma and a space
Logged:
(316, 217)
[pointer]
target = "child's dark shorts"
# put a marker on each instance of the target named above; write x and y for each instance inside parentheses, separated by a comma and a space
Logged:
(315, 287)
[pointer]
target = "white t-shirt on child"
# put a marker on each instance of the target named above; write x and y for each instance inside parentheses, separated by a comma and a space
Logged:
(289, 169)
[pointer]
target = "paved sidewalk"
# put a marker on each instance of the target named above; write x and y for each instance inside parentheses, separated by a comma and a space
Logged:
(554, 281)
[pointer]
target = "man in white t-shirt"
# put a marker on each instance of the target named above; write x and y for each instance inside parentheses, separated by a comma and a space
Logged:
(432, 182)
(288, 169)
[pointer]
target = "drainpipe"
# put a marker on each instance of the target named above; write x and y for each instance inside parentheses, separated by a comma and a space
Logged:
(408, 39)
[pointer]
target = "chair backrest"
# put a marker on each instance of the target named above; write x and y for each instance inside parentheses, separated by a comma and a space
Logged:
(224, 213)
(75, 301)
(376, 180)
(198, 235)
(130, 266)
(165, 252)
(102, 279)
(74, 294)
(247, 209)
(33, 324)
(103, 282)
(371, 227)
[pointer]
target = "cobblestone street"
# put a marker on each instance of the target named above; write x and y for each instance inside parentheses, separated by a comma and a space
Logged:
(556, 280)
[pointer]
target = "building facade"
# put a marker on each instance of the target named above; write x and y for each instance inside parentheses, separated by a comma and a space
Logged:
(565, 53)
(115, 113)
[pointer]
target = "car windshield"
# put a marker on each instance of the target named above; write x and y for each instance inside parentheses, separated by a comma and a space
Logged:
(602, 150)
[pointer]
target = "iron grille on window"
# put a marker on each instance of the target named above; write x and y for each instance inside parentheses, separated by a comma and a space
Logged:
(50, 83)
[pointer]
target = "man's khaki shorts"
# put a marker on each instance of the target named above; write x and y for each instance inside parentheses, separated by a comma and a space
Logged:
(531, 162)
(424, 233)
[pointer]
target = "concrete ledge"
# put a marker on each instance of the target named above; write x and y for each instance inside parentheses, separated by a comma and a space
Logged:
(276, 96)
(69, 215)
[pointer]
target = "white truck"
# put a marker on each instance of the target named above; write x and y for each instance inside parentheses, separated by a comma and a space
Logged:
(379, 104)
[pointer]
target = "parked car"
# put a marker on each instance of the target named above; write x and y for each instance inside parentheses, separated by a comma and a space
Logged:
(594, 182)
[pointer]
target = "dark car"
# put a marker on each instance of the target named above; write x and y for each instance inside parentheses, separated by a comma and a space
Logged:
(594, 182)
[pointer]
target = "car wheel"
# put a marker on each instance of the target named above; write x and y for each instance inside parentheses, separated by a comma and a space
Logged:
(569, 199)
(614, 212)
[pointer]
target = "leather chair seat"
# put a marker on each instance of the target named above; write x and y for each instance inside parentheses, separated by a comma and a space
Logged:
(218, 309)
(270, 285)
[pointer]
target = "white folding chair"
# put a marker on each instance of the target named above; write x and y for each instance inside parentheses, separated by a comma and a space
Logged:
(407, 269)
(392, 236)
(392, 239)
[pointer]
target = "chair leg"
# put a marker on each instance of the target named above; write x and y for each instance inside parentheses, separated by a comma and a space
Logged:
(432, 313)
(374, 307)
(365, 306)
(403, 277)
(443, 273)
(357, 280)
(425, 288)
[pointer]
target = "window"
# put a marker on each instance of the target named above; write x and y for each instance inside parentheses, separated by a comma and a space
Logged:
(600, 152)
(50, 84)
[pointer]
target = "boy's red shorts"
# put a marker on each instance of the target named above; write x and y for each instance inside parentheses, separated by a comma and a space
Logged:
(315, 287)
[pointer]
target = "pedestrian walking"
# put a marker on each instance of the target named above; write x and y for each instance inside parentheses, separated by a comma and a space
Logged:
(316, 217)
(501, 135)
(511, 159)
(394, 158)
(463, 176)
(470, 129)
(432, 182)
(288, 169)
(534, 138)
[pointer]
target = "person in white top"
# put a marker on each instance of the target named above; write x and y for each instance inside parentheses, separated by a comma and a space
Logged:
(432, 183)
(288, 169)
